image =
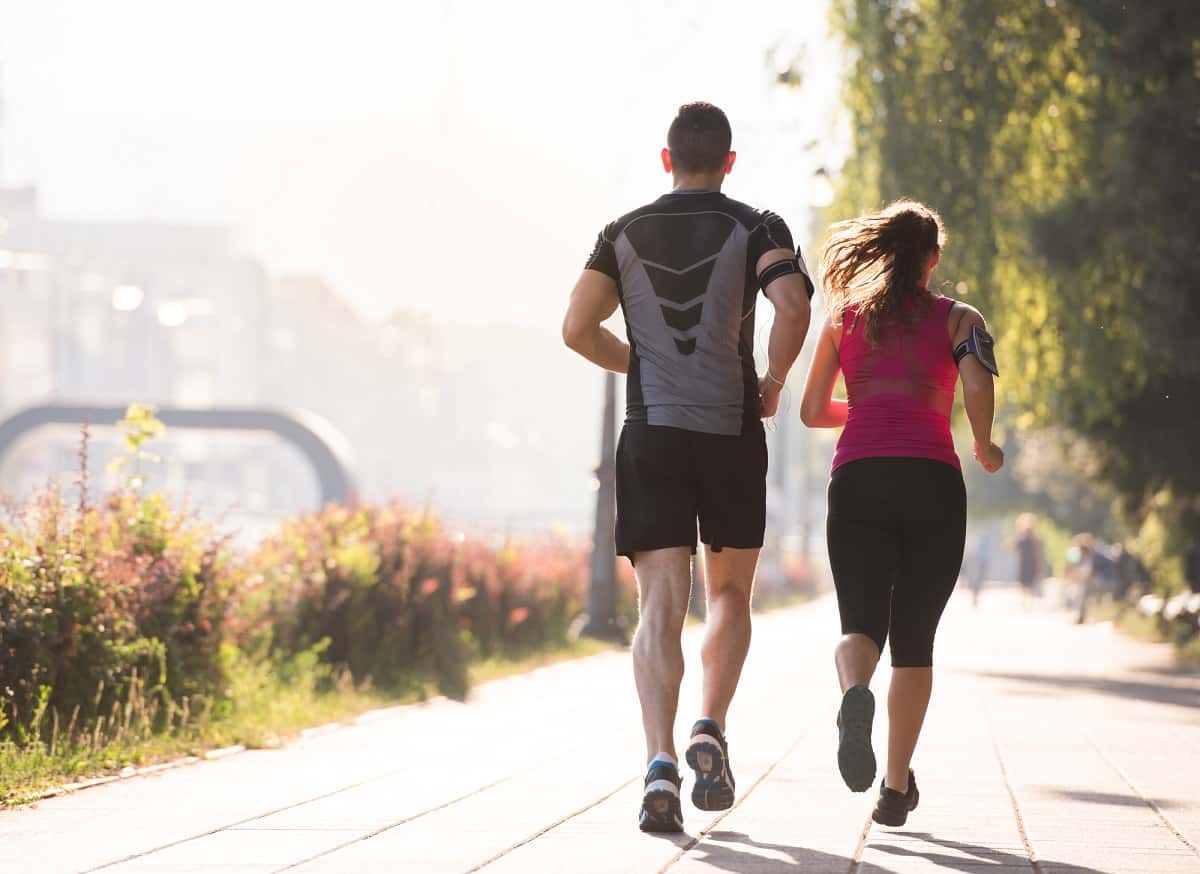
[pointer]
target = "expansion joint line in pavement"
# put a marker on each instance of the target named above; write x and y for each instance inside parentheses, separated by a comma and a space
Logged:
(230, 825)
(1150, 802)
(1012, 795)
(704, 832)
(551, 827)
(392, 825)
(864, 835)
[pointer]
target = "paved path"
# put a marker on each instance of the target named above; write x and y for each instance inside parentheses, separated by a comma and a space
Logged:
(1048, 748)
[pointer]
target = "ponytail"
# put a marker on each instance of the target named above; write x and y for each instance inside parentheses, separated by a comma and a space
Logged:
(875, 264)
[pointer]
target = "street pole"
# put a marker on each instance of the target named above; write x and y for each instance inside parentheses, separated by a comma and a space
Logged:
(697, 603)
(601, 620)
(771, 568)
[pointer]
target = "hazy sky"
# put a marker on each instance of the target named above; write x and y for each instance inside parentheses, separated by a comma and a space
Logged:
(457, 157)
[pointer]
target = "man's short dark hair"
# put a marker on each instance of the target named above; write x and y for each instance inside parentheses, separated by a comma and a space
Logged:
(699, 139)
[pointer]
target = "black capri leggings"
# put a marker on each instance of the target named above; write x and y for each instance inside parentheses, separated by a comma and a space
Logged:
(896, 531)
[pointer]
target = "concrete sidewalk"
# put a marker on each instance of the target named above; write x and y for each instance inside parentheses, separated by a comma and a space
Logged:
(1048, 747)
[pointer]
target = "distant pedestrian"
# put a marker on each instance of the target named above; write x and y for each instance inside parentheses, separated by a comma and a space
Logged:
(1031, 556)
(897, 505)
(686, 271)
(1132, 573)
(980, 563)
(1097, 568)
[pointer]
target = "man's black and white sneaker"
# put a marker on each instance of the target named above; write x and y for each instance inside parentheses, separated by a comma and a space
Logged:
(893, 807)
(708, 754)
(856, 759)
(661, 810)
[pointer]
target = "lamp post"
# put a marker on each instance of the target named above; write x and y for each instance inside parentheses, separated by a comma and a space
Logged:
(601, 621)
(697, 603)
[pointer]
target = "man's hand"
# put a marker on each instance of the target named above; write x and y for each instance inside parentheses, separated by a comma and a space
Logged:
(990, 457)
(769, 391)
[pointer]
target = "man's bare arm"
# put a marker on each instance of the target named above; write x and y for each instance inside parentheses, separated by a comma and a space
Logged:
(789, 295)
(594, 300)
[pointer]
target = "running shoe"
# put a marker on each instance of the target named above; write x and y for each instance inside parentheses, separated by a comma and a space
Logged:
(893, 807)
(661, 810)
(856, 759)
(708, 754)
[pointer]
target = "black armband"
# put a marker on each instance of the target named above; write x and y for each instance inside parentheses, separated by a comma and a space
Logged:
(782, 268)
(980, 344)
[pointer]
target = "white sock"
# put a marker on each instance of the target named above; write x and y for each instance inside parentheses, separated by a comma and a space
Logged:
(663, 784)
(663, 757)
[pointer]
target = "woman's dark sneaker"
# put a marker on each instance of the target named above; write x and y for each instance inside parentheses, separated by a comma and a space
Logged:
(856, 759)
(893, 807)
(708, 755)
(661, 810)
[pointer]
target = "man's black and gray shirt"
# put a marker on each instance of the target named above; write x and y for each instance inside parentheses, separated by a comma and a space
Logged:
(685, 268)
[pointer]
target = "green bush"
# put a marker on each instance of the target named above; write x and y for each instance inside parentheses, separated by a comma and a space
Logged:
(130, 600)
(401, 602)
(97, 600)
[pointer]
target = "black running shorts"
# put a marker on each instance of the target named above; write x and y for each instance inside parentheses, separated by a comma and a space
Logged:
(667, 478)
(896, 532)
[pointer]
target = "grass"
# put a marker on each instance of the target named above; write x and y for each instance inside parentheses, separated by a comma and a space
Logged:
(267, 704)
(1126, 619)
(495, 669)
(1188, 653)
(1139, 626)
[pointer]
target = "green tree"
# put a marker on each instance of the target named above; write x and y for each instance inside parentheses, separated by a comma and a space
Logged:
(1059, 139)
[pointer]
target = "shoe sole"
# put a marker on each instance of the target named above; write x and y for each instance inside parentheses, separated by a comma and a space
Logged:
(856, 758)
(893, 822)
(713, 787)
(661, 812)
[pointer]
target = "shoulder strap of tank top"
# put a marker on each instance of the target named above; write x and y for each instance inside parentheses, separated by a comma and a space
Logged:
(949, 308)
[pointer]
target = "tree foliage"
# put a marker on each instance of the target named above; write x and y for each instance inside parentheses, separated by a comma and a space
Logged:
(1059, 139)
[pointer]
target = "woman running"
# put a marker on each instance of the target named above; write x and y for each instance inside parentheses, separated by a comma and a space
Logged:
(897, 505)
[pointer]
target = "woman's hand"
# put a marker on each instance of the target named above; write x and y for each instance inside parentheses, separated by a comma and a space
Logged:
(990, 457)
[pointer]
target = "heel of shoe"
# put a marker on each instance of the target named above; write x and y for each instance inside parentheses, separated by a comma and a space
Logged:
(661, 812)
(711, 789)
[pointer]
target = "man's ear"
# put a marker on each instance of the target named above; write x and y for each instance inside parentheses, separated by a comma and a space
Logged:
(666, 159)
(729, 162)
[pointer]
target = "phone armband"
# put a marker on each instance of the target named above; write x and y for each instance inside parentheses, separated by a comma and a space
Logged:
(982, 345)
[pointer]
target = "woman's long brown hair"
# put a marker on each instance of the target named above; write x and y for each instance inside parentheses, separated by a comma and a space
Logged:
(875, 264)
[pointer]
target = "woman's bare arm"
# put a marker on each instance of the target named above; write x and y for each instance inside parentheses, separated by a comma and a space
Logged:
(819, 409)
(979, 392)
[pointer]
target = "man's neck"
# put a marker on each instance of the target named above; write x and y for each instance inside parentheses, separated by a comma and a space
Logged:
(698, 182)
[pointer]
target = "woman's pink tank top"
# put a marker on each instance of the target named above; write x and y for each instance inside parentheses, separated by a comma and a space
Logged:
(901, 392)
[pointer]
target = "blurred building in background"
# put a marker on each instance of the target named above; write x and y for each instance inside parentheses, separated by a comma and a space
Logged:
(105, 311)
(479, 422)
(115, 312)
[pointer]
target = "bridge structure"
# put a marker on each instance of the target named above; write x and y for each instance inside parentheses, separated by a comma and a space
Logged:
(325, 449)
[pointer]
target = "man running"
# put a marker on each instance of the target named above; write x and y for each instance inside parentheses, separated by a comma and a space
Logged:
(686, 270)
